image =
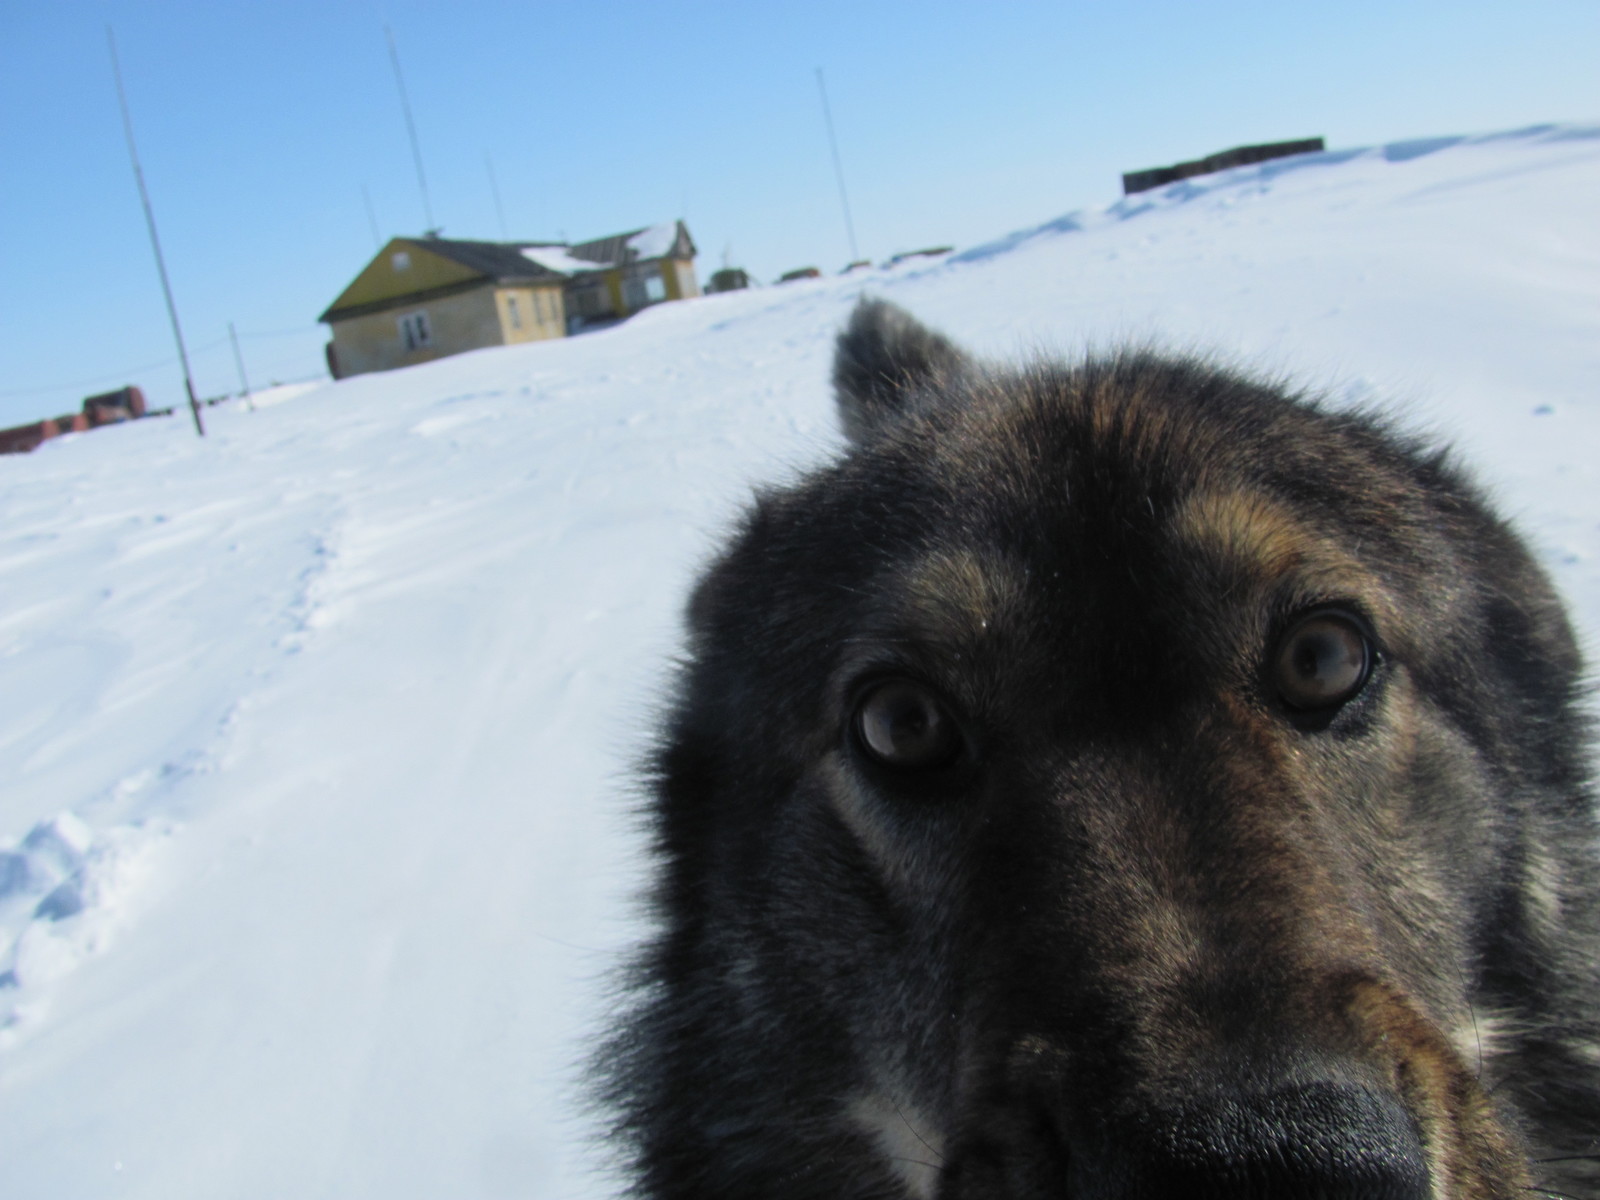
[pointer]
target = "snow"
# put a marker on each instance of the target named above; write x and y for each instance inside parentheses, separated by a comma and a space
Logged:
(278, 393)
(556, 258)
(318, 733)
(654, 242)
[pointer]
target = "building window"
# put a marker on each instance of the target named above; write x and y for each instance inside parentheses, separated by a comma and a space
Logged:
(634, 294)
(415, 331)
(400, 260)
(655, 288)
(511, 311)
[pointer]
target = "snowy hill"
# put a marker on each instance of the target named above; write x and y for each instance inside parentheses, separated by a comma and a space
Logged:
(316, 734)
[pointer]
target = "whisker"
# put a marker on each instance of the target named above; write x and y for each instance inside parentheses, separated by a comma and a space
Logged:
(1472, 1011)
(914, 1133)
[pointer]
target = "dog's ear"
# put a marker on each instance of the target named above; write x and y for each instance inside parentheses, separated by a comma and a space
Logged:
(885, 358)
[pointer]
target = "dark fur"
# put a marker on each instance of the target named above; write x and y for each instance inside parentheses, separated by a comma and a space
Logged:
(1155, 934)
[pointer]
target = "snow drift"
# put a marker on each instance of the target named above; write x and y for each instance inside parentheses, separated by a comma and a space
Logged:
(317, 733)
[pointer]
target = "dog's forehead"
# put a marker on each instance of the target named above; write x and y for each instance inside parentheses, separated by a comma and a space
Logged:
(956, 594)
(1238, 546)
(1055, 419)
(1043, 499)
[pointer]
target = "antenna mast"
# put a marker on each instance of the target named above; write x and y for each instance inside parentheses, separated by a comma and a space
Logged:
(494, 186)
(411, 129)
(838, 170)
(155, 242)
(372, 219)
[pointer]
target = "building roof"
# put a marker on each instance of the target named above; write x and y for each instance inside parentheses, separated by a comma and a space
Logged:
(413, 270)
(501, 261)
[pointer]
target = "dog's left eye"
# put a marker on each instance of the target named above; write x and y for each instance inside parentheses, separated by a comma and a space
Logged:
(903, 724)
(1322, 661)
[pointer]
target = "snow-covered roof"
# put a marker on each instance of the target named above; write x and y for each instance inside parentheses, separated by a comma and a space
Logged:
(668, 240)
(655, 242)
(556, 258)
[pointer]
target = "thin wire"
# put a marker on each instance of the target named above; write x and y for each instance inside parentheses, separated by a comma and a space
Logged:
(123, 375)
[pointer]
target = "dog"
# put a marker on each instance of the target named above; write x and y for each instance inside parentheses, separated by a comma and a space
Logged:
(1116, 780)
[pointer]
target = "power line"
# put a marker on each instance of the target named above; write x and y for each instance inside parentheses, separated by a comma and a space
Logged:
(126, 373)
(238, 360)
(83, 383)
(298, 331)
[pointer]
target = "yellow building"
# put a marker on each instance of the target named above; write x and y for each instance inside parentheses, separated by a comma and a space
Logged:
(630, 271)
(429, 297)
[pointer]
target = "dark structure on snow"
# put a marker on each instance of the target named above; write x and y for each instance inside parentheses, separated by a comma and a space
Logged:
(1239, 156)
(109, 408)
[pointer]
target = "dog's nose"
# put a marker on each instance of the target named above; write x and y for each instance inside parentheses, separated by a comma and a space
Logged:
(1314, 1142)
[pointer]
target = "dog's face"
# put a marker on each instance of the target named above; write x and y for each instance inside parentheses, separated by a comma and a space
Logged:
(1112, 782)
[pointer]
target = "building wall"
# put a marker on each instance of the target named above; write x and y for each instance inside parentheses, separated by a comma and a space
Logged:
(530, 314)
(681, 283)
(590, 297)
(374, 342)
(619, 292)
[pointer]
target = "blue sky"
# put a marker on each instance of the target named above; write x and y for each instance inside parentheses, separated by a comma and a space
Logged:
(260, 124)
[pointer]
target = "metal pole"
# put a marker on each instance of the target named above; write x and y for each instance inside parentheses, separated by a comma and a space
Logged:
(155, 242)
(838, 170)
(411, 128)
(494, 187)
(239, 362)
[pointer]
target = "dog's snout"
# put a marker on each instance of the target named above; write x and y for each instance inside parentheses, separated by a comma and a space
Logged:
(1317, 1142)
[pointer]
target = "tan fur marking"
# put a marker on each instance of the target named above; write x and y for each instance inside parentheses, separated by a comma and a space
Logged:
(957, 597)
(1245, 530)
(1469, 1156)
(1127, 418)
(1252, 537)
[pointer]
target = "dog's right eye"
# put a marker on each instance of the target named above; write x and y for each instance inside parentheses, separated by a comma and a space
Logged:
(1322, 661)
(904, 725)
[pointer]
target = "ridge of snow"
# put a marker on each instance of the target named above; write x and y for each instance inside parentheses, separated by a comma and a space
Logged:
(1261, 177)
